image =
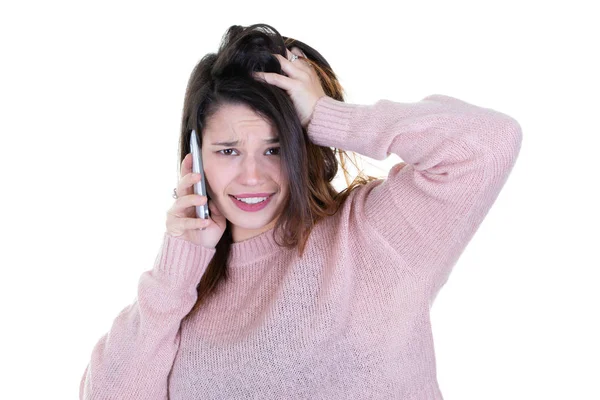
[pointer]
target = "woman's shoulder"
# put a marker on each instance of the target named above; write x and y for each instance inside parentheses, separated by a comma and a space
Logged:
(351, 208)
(349, 229)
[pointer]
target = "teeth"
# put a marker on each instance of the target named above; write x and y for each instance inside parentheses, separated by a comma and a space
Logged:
(252, 200)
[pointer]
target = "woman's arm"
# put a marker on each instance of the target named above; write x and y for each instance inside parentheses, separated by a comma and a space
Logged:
(133, 360)
(457, 158)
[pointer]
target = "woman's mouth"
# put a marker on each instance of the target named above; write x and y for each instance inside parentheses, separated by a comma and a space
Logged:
(251, 204)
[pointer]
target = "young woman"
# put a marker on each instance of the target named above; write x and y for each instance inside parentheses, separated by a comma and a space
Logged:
(292, 290)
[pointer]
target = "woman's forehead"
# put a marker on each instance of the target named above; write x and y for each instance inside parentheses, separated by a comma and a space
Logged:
(238, 122)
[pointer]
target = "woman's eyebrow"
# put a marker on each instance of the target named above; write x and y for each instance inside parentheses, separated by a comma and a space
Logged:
(237, 142)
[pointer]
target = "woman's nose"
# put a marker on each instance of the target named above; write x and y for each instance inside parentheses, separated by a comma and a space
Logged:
(250, 169)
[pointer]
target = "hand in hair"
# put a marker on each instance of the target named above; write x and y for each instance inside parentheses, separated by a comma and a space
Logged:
(302, 83)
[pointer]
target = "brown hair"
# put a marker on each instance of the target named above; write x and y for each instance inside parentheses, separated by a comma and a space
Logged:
(225, 78)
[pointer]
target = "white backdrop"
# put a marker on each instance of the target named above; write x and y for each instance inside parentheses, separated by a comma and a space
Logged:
(91, 98)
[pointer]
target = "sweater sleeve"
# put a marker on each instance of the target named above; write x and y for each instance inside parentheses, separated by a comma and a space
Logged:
(457, 157)
(133, 360)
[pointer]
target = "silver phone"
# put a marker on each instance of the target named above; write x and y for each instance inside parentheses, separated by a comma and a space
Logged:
(197, 168)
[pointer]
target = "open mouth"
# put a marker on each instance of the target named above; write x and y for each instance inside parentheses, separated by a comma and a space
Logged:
(255, 205)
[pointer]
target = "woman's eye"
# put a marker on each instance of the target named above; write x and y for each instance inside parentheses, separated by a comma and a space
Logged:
(221, 151)
(276, 153)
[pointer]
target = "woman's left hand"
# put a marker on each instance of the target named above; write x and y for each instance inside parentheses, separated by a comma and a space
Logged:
(302, 83)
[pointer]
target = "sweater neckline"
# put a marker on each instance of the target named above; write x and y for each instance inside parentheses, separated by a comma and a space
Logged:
(252, 249)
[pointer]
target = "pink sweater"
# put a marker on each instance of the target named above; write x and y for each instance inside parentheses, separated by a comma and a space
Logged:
(348, 320)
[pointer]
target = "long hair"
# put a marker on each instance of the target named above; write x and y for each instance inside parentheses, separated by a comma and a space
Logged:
(226, 78)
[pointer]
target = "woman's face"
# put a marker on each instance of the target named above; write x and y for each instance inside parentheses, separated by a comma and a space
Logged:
(252, 166)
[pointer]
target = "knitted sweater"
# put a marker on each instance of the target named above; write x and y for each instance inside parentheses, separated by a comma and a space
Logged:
(348, 320)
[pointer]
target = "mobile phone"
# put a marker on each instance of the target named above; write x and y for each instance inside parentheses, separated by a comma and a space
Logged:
(197, 168)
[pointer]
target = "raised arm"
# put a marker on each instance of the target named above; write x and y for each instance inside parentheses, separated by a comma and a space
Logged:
(457, 157)
(133, 360)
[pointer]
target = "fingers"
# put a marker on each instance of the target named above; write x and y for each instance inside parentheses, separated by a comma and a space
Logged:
(276, 79)
(184, 202)
(185, 186)
(298, 52)
(296, 69)
(300, 63)
(184, 224)
(187, 179)
(186, 165)
(289, 82)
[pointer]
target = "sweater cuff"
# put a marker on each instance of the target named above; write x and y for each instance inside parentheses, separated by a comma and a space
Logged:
(181, 261)
(330, 122)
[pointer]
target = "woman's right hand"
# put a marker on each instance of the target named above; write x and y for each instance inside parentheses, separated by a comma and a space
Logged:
(181, 217)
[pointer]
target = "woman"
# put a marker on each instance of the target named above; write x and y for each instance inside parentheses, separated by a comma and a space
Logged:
(312, 294)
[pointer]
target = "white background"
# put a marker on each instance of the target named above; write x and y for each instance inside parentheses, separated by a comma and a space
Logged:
(91, 97)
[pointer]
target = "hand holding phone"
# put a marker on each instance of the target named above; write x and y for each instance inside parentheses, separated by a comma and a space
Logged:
(184, 218)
